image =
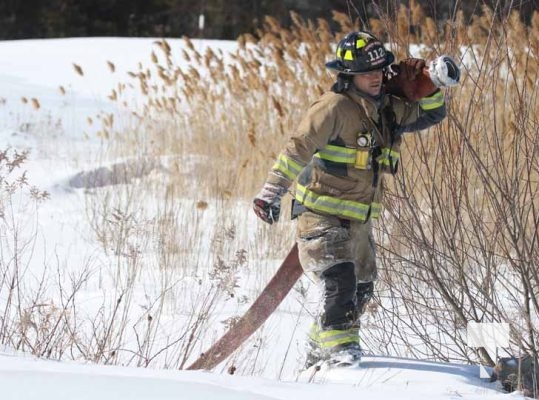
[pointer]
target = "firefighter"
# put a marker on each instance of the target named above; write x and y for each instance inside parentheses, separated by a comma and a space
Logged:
(347, 141)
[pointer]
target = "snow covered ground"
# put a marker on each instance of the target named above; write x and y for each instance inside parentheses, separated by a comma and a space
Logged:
(61, 145)
(377, 378)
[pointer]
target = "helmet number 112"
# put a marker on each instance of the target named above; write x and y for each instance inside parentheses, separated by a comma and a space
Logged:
(376, 54)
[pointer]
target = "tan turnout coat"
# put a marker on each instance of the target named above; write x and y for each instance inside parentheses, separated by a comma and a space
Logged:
(343, 146)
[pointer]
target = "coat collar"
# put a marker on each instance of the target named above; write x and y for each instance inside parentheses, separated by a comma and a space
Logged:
(370, 104)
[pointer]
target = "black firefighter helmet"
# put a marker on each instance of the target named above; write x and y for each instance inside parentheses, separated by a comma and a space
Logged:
(360, 52)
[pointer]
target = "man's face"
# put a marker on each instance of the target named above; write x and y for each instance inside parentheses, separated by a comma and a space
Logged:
(369, 82)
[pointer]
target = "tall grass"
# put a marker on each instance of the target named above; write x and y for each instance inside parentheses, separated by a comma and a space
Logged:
(458, 242)
(462, 214)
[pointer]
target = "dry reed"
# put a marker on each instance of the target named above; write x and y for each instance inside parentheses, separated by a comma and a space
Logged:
(469, 187)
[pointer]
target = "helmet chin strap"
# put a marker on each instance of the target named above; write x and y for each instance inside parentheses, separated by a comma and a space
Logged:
(343, 83)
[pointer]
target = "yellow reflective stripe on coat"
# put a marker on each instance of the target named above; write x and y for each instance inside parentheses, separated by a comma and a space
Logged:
(334, 206)
(387, 155)
(287, 166)
(333, 337)
(432, 102)
(376, 210)
(339, 154)
(347, 155)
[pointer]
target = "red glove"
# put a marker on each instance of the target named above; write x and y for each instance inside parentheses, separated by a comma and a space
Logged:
(411, 80)
(411, 67)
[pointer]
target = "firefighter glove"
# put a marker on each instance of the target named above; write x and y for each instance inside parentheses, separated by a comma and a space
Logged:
(267, 203)
(411, 68)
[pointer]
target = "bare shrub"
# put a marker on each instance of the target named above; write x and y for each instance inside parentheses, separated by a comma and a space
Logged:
(459, 239)
(18, 229)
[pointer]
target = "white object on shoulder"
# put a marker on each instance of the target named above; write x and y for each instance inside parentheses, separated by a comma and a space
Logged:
(444, 71)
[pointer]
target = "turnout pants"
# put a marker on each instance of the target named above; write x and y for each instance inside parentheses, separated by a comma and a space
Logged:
(341, 255)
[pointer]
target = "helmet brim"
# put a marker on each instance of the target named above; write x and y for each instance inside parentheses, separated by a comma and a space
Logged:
(337, 66)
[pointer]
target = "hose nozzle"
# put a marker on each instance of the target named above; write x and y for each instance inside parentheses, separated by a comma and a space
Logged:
(444, 71)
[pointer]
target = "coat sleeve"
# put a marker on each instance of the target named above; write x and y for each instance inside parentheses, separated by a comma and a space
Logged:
(312, 134)
(421, 115)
